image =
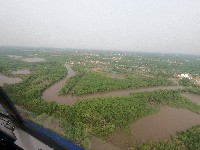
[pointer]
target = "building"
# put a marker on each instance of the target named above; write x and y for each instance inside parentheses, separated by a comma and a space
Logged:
(185, 76)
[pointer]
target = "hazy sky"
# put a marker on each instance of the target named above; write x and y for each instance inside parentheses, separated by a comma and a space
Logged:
(137, 25)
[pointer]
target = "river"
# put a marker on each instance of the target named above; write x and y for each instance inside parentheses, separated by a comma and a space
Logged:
(163, 124)
(154, 127)
(52, 93)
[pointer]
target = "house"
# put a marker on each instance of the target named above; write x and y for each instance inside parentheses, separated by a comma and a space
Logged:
(185, 76)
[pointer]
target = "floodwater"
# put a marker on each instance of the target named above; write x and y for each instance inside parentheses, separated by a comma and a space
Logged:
(193, 97)
(34, 59)
(125, 92)
(99, 144)
(8, 80)
(121, 141)
(163, 124)
(52, 93)
(154, 127)
(167, 122)
(22, 71)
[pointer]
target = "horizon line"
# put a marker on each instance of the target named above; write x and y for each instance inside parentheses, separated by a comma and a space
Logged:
(90, 49)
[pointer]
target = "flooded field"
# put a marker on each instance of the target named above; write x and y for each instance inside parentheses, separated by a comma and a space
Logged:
(8, 80)
(193, 97)
(22, 71)
(163, 124)
(35, 59)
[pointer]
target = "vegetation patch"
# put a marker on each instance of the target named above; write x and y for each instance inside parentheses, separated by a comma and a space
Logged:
(92, 82)
(193, 90)
(43, 75)
(71, 83)
(186, 82)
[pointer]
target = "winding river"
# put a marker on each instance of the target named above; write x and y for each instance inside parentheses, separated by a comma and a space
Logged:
(153, 127)
(52, 93)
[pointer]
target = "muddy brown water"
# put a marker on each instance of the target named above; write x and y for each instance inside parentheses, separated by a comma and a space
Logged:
(52, 93)
(167, 122)
(163, 124)
(193, 97)
(99, 144)
(22, 71)
(8, 80)
(69, 99)
(125, 92)
(34, 59)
